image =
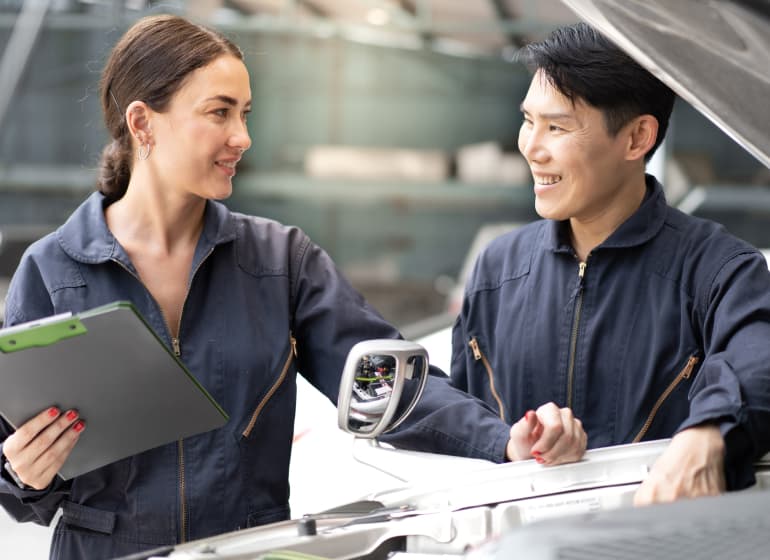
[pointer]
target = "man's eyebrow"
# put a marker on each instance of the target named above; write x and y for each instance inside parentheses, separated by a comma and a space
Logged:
(227, 99)
(550, 116)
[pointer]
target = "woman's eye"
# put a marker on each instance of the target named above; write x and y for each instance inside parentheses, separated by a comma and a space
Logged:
(220, 112)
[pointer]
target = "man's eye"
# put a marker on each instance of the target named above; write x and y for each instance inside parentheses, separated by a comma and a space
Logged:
(554, 128)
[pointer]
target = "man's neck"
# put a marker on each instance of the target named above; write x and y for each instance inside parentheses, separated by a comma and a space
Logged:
(586, 234)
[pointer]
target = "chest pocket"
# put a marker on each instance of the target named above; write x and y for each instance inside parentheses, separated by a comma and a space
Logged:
(273, 388)
(480, 359)
(684, 374)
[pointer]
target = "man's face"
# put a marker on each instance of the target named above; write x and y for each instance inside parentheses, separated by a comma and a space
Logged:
(579, 170)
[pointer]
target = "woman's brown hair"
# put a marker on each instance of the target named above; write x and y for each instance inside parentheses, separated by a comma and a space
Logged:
(149, 63)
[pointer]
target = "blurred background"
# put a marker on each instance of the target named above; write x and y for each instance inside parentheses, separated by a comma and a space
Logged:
(386, 129)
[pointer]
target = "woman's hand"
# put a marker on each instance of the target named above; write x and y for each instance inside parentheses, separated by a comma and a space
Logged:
(551, 435)
(691, 466)
(38, 448)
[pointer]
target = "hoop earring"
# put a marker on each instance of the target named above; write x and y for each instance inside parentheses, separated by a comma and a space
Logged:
(144, 155)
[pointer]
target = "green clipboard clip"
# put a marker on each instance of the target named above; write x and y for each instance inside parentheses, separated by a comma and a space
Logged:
(41, 335)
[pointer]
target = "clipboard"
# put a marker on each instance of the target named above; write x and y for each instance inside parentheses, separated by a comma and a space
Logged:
(132, 391)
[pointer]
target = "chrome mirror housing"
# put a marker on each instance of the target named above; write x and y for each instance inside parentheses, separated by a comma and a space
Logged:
(381, 383)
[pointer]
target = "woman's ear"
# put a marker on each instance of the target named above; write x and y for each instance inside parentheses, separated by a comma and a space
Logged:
(138, 116)
(642, 133)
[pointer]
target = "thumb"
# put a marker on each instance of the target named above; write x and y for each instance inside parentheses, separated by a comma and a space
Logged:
(522, 436)
(530, 424)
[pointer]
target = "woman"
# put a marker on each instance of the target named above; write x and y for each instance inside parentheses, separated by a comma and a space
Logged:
(244, 301)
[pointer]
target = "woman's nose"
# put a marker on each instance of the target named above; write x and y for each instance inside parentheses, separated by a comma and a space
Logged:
(241, 138)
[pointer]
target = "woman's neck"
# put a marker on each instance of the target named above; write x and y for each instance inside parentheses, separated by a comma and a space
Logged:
(151, 219)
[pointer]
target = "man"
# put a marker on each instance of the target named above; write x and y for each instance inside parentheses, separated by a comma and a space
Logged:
(642, 322)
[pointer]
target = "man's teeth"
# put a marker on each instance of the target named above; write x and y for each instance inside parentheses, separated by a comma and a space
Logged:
(548, 180)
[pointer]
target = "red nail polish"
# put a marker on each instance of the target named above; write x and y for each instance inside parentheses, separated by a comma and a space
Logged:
(536, 453)
(53, 412)
(79, 425)
(71, 415)
(540, 460)
(529, 415)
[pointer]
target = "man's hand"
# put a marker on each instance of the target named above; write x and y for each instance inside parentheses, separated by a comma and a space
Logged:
(691, 466)
(38, 449)
(551, 435)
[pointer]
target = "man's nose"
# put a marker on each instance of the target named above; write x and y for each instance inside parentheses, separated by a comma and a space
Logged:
(531, 146)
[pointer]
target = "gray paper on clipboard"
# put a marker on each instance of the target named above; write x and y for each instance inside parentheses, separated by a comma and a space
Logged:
(132, 392)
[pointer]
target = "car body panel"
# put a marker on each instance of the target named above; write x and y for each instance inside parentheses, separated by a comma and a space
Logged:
(713, 54)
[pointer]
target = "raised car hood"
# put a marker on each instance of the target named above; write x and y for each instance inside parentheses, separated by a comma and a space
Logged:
(714, 53)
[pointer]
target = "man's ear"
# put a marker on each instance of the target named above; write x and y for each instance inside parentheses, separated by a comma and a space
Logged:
(642, 133)
(138, 116)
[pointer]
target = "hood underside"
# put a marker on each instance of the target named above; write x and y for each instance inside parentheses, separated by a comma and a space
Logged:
(715, 54)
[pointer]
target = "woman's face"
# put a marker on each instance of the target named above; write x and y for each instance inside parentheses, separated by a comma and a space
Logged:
(199, 140)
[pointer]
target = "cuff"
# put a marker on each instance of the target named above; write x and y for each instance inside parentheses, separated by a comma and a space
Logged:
(8, 472)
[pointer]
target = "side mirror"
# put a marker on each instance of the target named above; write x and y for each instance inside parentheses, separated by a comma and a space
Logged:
(381, 383)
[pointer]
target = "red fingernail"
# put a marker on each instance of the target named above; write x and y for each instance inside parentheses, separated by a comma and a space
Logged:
(71, 415)
(79, 425)
(540, 460)
(536, 454)
(529, 415)
(53, 412)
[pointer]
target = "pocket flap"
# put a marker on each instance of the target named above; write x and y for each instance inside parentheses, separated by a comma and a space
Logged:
(88, 518)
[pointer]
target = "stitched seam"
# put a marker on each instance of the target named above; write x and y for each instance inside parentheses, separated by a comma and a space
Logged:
(14, 312)
(454, 441)
(718, 271)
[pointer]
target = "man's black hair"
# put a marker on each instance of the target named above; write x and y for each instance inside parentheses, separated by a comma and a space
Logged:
(582, 63)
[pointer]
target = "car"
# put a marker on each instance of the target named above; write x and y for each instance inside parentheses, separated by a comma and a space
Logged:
(446, 506)
(376, 501)
(714, 55)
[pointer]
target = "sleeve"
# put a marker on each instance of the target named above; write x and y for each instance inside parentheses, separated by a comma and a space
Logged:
(330, 316)
(732, 388)
(449, 421)
(27, 299)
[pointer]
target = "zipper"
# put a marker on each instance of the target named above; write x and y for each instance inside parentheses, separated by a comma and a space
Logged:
(257, 411)
(574, 336)
(176, 347)
(183, 514)
(477, 355)
(686, 372)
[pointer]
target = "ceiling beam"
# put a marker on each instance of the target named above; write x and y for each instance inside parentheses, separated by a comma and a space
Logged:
(314, 8)
(408, 6)
(505, 16)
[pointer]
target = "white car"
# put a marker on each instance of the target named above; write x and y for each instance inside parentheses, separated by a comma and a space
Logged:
(440, 507)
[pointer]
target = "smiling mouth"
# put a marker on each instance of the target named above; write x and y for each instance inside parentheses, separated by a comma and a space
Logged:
(546, 180)
(228, 166)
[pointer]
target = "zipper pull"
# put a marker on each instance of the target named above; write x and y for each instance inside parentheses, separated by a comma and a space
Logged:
(176, 347)
(581, 270)
(293, 342)
(687, 371)
(475, 347)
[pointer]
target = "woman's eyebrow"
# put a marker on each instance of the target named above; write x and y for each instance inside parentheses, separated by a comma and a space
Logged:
(227, 99)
